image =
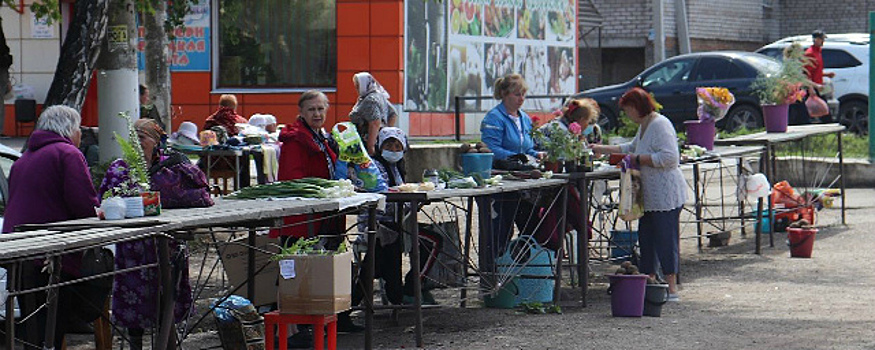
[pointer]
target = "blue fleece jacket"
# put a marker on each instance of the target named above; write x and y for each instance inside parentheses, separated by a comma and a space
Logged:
(502, 136)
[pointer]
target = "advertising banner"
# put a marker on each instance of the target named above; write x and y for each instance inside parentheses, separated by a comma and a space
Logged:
(190, 48)
(465, 45)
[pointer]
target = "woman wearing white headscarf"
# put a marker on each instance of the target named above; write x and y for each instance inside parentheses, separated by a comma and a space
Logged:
(372, 111)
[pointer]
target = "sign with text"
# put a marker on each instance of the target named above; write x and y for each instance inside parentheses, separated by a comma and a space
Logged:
(190, 48)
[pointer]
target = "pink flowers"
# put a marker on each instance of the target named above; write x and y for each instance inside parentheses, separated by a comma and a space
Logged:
(575, 128)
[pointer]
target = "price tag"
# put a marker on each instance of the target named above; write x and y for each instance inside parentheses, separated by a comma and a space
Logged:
(287, 268)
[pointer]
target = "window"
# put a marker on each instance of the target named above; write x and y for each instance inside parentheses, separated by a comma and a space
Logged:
(669, 73)
(838, 59)
(712, 68)
(276, 44)
(777, 54)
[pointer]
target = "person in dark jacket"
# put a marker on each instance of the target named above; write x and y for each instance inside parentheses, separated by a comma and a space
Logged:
(226, 116)
(49, 183)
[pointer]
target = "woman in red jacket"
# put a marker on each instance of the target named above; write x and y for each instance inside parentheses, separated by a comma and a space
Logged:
(307, 151)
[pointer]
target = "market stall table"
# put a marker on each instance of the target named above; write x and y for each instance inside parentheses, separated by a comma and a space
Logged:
(795, 133)
(416, 199)
(717, 156)
(240, 213)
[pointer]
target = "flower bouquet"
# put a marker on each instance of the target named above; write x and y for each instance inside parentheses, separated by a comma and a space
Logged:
(713, 103)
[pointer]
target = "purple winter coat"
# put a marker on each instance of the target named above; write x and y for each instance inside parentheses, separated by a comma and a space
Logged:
(49, 183)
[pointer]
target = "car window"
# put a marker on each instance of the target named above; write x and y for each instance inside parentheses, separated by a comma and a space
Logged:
(762, 63)
(713, 68)
(672, 72)
(773, 53)
(833, 58)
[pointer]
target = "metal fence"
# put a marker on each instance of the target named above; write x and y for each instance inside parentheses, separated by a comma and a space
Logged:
(478, 110)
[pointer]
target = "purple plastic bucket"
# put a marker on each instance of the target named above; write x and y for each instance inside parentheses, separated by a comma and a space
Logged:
(775, 117)
(627, 295)
(701, 133)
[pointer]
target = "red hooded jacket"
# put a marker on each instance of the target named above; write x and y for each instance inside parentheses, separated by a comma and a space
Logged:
(300, 157)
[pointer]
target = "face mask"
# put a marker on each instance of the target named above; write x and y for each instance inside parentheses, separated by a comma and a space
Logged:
(392, 157)
(588, 130)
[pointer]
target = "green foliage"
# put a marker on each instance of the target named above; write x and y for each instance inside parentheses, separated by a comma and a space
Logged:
(307, 246)
(539, 308)
(785, 85)
(560, 144)
(132, 153)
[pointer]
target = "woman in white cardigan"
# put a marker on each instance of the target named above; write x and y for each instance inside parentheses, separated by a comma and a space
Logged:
(655, 150)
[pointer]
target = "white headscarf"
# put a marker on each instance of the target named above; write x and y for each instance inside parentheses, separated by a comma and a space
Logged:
(367, 84)
(392, 133)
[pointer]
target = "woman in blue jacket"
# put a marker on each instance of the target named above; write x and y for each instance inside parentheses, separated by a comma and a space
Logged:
(506, 130)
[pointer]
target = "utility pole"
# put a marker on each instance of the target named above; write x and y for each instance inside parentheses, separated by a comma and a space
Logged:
(871, 87)
(117, 82)
(658, 32)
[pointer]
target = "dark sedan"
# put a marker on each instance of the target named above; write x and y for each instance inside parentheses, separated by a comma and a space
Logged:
(673, 83)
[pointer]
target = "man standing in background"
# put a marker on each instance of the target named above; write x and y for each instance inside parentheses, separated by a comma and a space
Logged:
(814, 69)
(5, 86)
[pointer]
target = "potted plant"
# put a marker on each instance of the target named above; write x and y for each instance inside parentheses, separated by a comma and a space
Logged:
(128, 177)
(561, 146)
(713, 104)
(778, 90)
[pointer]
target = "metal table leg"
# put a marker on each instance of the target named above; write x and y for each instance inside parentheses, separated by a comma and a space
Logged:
(369, 278)
(583, 240)
(413, 226)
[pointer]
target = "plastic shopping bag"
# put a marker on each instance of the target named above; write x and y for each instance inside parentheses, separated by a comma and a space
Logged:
(631, 200)
(364, 176)
(352, 149)
(816, 106)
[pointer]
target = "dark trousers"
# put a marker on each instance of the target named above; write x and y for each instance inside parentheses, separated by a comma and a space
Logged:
(658, 240)
(499, 213)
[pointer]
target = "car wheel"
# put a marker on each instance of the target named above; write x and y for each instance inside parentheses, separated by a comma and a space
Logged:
(855, 116)
(743, 116)
(607, 120)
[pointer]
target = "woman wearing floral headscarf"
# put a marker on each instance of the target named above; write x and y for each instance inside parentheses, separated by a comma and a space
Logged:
(135, 294)
(372, 111)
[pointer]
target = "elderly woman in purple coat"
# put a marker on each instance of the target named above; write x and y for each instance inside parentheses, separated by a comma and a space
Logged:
(51, 182)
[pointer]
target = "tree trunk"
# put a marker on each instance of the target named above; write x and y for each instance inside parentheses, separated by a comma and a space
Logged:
(157, 67)
(117, 78)
(79, 53)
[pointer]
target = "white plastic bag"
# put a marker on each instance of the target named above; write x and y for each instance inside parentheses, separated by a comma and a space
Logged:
(631, 200)
(113, 208)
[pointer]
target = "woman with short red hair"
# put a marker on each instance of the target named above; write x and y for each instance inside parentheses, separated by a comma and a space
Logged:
(655, 151)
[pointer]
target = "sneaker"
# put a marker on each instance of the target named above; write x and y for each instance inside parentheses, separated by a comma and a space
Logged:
(673, 298)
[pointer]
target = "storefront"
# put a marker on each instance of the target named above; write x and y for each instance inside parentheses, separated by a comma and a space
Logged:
(423, 52)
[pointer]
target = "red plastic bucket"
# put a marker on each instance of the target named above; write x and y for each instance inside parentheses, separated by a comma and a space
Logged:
(775, 117)
(701, 133)
(801, 241)
(627, 295)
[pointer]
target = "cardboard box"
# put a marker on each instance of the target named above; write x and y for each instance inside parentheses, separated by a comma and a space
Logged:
(235, 258)
(315, 284)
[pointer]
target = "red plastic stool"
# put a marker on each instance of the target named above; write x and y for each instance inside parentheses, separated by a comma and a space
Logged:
(281, 321)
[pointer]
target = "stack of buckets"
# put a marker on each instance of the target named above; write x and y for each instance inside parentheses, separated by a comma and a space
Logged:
(801, 241)
(529, 270)
(631, 296)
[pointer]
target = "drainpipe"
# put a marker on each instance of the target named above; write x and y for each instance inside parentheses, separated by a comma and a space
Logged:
(871, 87)
(658, 33)
(680, 15)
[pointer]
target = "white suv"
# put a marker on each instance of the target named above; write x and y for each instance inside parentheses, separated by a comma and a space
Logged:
(848, 56)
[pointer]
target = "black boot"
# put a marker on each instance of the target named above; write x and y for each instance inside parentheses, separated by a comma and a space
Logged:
(345, 324)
